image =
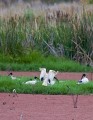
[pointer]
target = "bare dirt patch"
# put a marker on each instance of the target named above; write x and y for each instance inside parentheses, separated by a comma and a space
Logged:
(45, 107)
(60, 75)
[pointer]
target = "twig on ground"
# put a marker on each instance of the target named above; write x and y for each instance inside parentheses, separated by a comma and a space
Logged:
(75, 100)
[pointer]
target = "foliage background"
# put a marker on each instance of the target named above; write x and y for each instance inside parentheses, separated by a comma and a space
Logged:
(29, 30)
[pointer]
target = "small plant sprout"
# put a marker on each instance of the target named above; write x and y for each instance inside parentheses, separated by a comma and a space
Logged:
(75, 99)
(14, 93)
(14, 90)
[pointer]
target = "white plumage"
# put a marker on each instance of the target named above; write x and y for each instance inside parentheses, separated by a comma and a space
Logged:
(32, 82)
(51, 76)
(42, 74)
(45, 81)
(53, 82)
(14, 90)
(84, 79)
(12, 77)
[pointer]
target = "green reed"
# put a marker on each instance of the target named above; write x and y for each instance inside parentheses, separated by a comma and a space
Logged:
(71, 38)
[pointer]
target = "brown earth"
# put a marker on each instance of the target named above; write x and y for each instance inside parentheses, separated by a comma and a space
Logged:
(45, 107)
(60, 75)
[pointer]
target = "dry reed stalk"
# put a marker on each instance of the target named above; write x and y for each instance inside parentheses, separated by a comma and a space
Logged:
(70, 9)
(86, 57)
(74, 97)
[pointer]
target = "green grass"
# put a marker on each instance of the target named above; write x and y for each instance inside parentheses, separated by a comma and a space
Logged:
(33, 64)
(7, 85)
(36, 59)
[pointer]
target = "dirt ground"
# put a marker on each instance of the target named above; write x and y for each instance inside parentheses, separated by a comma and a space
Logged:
(60, 75)
(45, 107)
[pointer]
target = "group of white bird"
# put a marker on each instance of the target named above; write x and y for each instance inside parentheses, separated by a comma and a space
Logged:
(48, 78)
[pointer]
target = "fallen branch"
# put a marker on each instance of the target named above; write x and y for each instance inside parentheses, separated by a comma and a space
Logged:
(82, 50)
(53, 51)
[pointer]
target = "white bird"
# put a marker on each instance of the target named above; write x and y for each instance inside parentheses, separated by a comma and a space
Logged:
(84, 79)
(32, 82)
(12, 77)
(51, 77)
(45, 81)
(42, 74)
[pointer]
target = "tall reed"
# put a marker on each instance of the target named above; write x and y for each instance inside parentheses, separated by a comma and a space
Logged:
(60, 34)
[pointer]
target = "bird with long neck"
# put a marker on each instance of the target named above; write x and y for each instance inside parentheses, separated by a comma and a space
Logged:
(42, 74)
(51, 76)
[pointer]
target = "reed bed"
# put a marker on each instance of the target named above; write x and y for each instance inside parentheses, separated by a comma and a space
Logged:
(61, 30)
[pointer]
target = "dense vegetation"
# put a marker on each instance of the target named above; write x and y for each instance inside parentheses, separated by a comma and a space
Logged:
(27, 38)
(31, 38)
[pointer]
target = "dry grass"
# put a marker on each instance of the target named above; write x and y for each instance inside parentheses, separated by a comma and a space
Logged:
(50, 11)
